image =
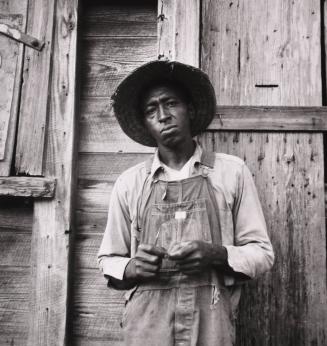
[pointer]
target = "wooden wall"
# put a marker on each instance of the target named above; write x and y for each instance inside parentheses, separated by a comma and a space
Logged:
(270, 66)
(16, 217)
(256, 53)
(268, 53)
(116, 38)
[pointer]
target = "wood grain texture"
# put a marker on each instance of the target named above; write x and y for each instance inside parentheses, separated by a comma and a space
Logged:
(15, 281)
(270, 118)
(51, 242)
(262, 44)
(135, 19)
(179, 30)
(14, 305)
(16, 215)
(117, 38)
(100, 132)
(27, 187)
(291, 300)
(11, 62)
(97, 310)
(21, 37)
(35, 90)
(109, 60)
(249, 43)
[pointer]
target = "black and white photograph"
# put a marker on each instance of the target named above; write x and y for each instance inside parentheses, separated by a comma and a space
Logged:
(162, 172)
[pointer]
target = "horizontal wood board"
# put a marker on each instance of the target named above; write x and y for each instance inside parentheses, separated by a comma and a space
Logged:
(15, 281)
(257, 54)
(27, 187)
(123, 39)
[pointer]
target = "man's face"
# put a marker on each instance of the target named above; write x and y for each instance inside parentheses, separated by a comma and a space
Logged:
(167, 115)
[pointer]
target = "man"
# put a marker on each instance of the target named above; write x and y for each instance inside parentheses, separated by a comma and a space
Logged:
(185, 227)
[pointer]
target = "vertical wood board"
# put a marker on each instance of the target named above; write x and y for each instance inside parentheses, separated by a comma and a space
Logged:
(52, 226)
(35, 90)
(179, 31)
(247, 46)
(291, 300)
(11, 57)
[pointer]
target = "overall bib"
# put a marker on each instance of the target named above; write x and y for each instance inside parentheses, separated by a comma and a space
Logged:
(174, 308)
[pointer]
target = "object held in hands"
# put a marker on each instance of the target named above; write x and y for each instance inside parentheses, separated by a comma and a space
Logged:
(177, 249)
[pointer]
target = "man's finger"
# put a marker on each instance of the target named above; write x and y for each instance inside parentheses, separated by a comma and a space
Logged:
(153, 250)
(147, 258)
(147, 267)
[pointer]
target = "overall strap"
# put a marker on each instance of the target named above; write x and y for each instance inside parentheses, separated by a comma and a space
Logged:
(148, 165)
(208, 158)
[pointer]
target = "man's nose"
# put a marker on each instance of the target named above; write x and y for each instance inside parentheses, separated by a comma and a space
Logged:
(163, 114)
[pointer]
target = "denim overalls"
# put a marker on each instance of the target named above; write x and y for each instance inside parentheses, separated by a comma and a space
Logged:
(176, 309)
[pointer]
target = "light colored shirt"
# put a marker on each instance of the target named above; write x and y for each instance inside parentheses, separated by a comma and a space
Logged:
(244, 232)
(174, 174)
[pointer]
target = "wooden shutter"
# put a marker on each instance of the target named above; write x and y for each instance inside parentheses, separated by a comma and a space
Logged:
(12, 13)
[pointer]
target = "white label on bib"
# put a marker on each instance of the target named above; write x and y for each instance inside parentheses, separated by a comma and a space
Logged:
(180, 215)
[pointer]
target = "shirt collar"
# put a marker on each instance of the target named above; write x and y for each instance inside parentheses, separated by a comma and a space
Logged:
(157, 164)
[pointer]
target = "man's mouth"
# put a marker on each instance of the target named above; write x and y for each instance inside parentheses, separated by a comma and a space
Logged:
(168, 128)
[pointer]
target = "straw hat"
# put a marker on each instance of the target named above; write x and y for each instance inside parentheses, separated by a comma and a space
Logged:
(127, 95)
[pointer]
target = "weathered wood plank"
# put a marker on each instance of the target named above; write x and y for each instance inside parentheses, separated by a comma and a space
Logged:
(93, 196)
(35, 90)
(11, 62)
(16, 214)
(270, 118)
(288, 170)
(27, 187)
(249, 45)
(122, 49)
(15, 248)
(89, 221)
(97, 174)
(247, 49)
(51, 242)
(86, 248)
(14, 305)
(179, 31)
(100, 132)
(21, 37)
(115, 20)
(106, 166)
(92, 302)
(108, 60)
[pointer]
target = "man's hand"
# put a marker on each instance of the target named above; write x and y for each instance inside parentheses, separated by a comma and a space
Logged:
(195, 256)
(145, 264)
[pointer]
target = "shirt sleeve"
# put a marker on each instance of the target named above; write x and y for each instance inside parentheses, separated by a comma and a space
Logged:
(252, 253)
(114, 252)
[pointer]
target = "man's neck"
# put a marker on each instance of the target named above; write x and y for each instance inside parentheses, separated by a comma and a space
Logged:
(176, 157)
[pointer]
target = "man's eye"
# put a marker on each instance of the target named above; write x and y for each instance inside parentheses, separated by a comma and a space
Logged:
(149, 112)
(171, 103)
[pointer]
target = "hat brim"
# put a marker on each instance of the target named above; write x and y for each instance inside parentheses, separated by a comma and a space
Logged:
(126, 97)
